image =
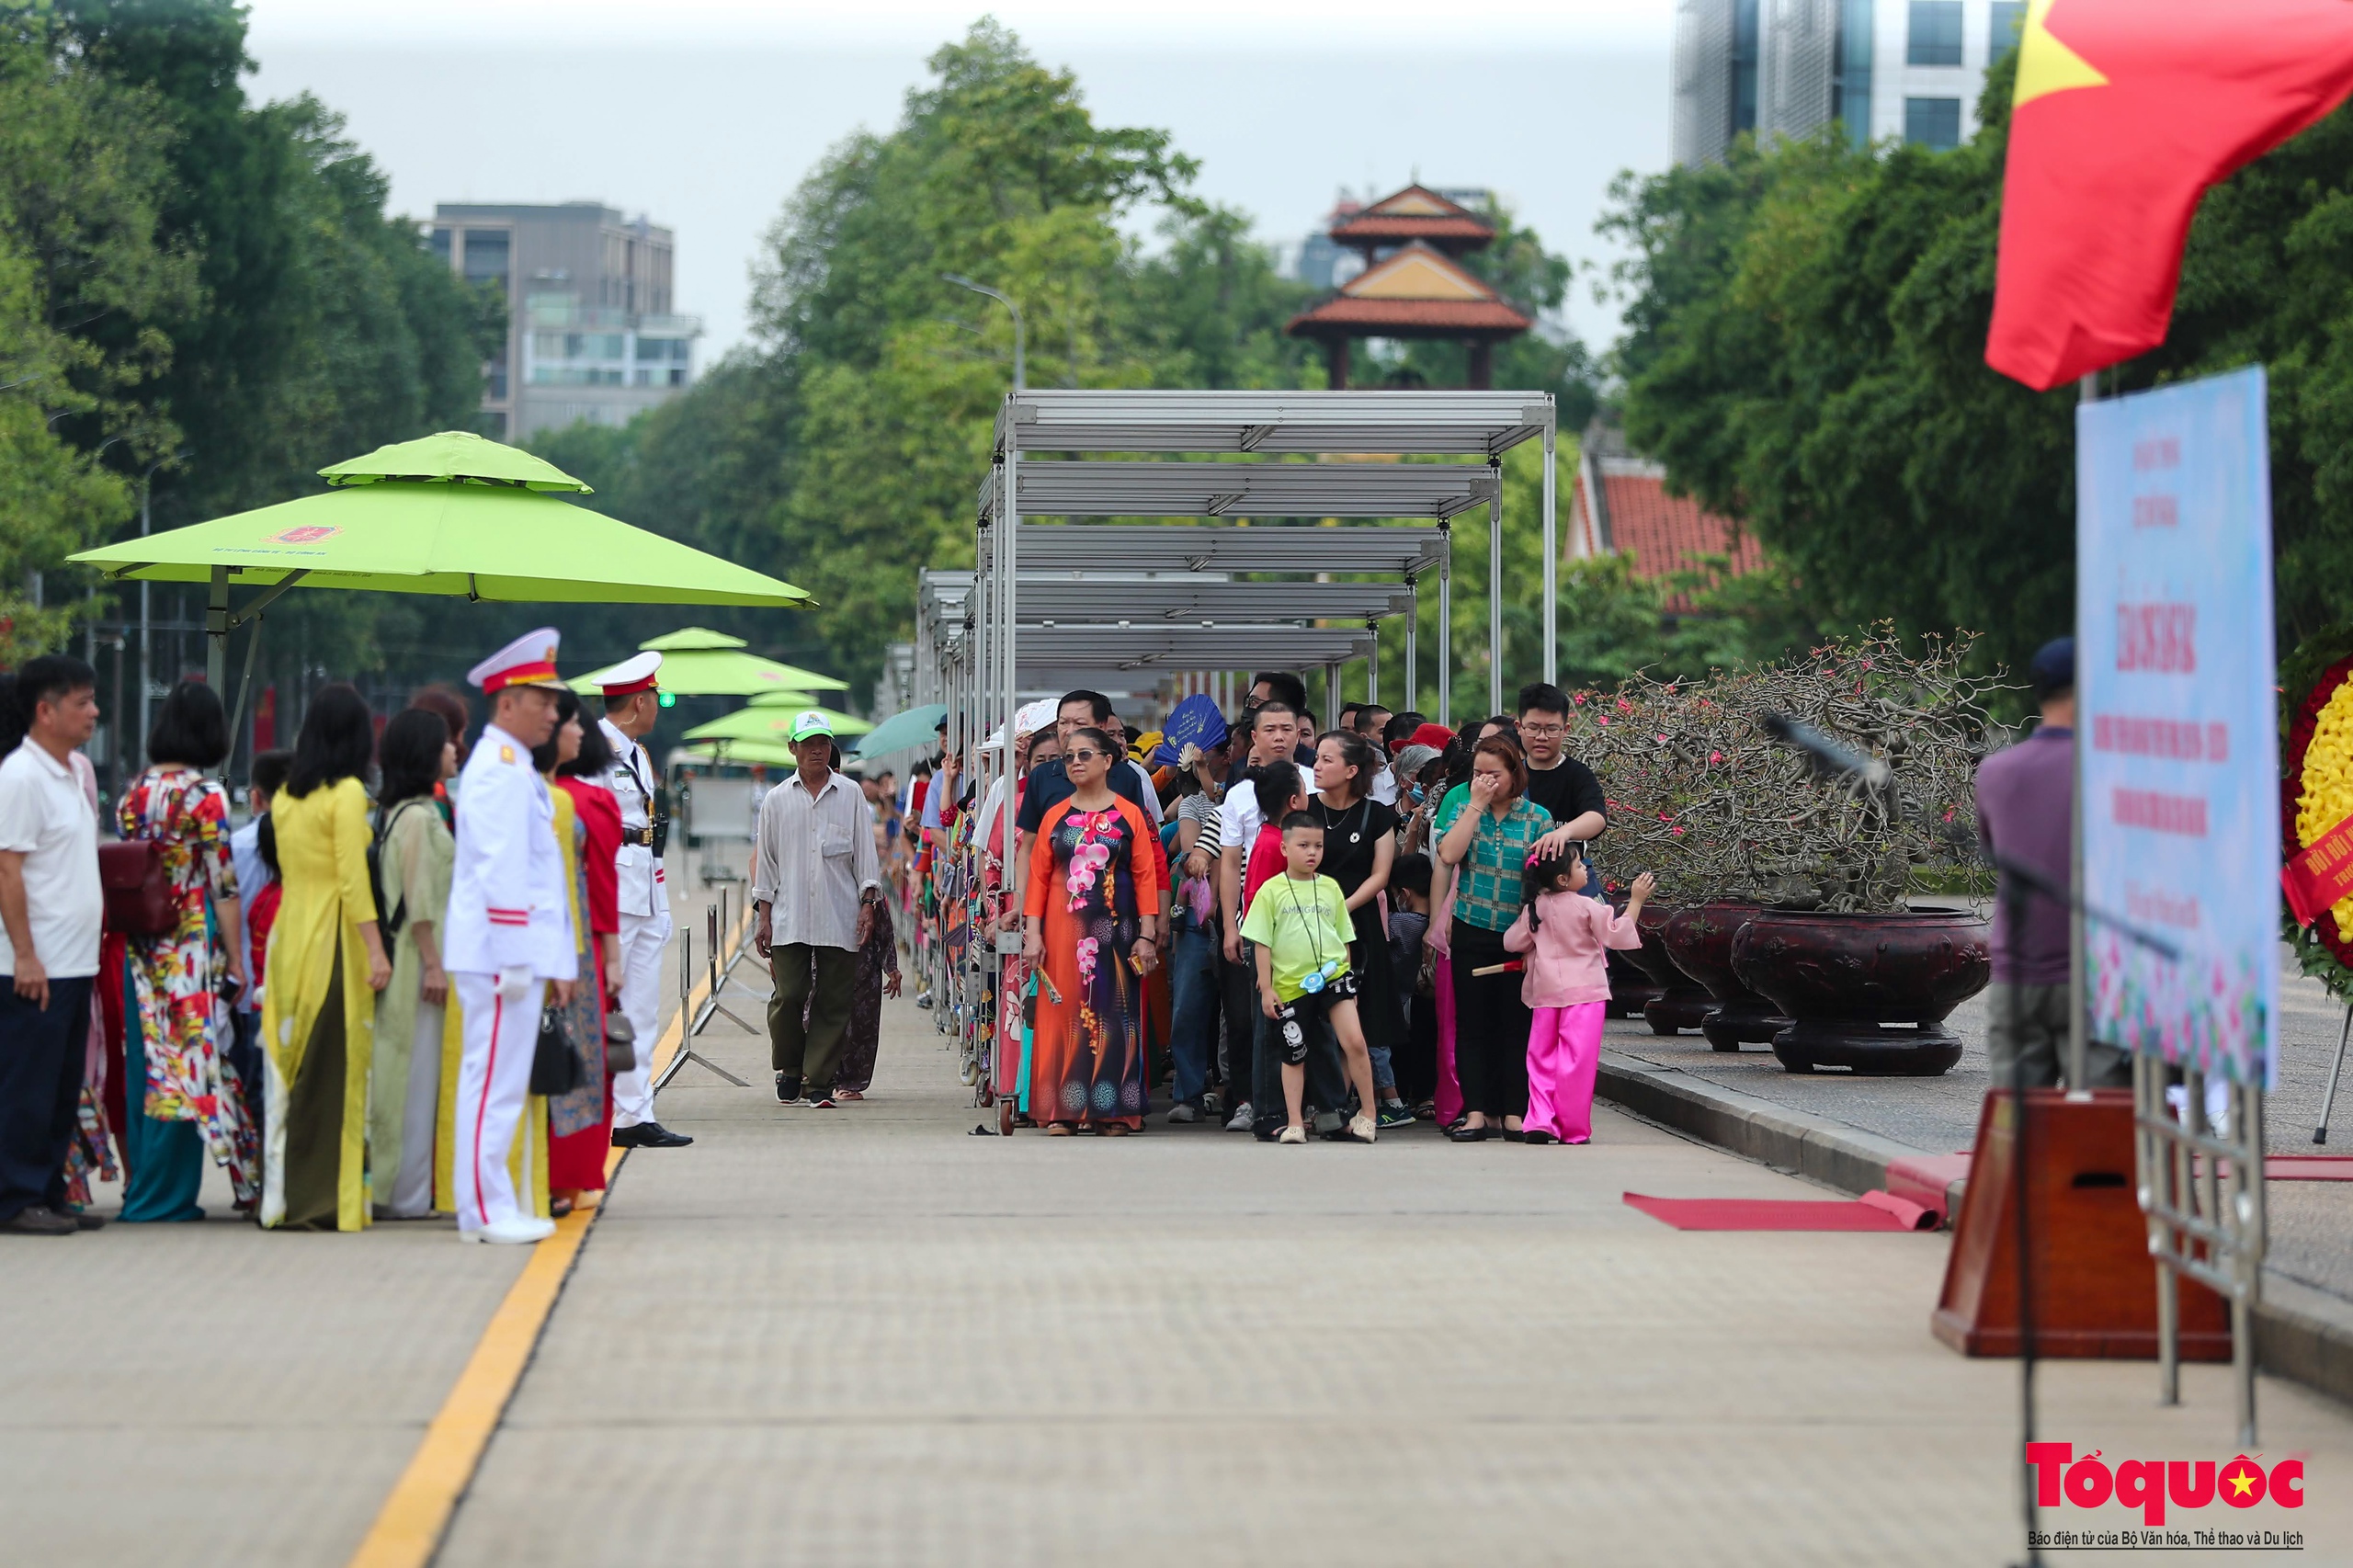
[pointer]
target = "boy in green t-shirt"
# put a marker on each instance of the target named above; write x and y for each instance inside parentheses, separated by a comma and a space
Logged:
(1300, 925)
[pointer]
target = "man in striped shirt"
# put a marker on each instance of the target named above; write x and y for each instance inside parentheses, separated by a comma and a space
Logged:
(815, 880)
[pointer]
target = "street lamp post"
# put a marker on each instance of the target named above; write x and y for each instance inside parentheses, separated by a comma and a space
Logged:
(1020, 376)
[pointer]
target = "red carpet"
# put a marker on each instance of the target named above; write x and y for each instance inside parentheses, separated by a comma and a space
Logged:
(1872, 1211)
(2307, 1167)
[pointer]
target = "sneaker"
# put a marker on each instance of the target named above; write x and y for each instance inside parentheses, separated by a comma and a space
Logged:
(1395, 1113)
(1292, 1135)
(1182, 1113)
(787, 1089)
(923, 1000)
(822, 1099)
(34, 1220)
(1361, 1128)
(1241, 1121)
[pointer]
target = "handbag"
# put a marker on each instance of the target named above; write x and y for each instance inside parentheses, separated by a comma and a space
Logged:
(138, 900)
(555, 1064)
(621, 1043)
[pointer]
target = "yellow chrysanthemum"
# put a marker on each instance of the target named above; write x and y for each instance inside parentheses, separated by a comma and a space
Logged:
(2327, 797)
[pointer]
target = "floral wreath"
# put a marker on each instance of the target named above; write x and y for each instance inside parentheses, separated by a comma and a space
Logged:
(2316, 794)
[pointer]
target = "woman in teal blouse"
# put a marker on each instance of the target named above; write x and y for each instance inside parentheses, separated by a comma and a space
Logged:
(1485, 839)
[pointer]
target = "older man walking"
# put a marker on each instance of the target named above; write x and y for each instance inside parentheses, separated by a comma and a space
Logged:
(51, 909)
(816, 881)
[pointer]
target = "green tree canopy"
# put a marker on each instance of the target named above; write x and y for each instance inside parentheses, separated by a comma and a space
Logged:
(1805, 352)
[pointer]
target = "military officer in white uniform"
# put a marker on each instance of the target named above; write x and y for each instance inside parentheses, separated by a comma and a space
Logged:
(632, 702)
(506, 941)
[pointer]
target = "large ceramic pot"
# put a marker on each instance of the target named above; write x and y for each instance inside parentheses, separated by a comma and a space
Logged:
(1630, 990)
(1699, 942)
(1682, 1001)
(1867, 991)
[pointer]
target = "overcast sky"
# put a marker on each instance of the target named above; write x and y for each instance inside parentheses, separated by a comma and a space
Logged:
(705, 114)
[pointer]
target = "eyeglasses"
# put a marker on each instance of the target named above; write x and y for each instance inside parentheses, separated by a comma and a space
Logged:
(1547, 731)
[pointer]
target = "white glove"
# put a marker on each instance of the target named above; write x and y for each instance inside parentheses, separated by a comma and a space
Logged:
(514, 982)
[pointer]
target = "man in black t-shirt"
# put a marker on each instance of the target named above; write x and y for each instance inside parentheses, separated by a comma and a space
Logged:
(1559, 783)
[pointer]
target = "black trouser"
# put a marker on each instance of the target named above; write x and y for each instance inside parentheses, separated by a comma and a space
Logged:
(1490, 1025)
(1241, 998)
(42, 1050)
(810, 1051)
(1327, 1083)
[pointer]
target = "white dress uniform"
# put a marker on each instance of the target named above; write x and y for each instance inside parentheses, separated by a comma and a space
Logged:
(506, 934)
(645, 896)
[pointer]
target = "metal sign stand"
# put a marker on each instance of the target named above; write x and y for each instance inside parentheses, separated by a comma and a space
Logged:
(687, 1052)
(2202, 1192)
(2336, 1069)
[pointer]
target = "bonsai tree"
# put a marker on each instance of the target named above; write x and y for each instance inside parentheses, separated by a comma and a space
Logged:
(1703, 797)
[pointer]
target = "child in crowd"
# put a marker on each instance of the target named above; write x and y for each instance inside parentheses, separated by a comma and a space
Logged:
(1416, 1060)
(1565, 935)
(1298, 922)
(256, 868)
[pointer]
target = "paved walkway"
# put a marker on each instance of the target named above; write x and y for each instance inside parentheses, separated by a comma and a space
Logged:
(867, 1337)
(2311, 1224)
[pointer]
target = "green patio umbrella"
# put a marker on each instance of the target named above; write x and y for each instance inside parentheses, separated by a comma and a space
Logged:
(919, 726)
(700, 663)
(453, 513)
(773, 754)
(768, 722)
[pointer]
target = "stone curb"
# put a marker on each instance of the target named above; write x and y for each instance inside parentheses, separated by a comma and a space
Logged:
(2300, 1334)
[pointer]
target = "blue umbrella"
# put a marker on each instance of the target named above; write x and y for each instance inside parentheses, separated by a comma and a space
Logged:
(1194, 721)
(915, 727)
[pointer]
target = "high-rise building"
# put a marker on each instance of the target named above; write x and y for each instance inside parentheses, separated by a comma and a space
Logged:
(591, 330)
(1906, 69)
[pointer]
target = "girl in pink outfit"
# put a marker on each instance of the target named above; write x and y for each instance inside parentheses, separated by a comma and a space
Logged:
(1565, 935)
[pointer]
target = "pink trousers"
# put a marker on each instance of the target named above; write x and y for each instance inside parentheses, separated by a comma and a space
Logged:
(1447, 1101)
(1564, 1052)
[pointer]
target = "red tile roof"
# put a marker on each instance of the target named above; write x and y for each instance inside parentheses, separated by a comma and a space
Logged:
(1417, 213)
(1418, 292)
(1663, 533)
(1376, 318)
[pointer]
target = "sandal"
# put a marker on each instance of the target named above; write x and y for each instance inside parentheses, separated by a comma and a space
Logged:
(1113, 1129)
(1060, 1130)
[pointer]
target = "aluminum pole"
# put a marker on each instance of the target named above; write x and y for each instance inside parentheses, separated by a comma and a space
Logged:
(1009, 514)
(1373, 663)
(1495, 589)
(1551, 561)
(1446, 631)
(2078, 1046)
(1413, 626)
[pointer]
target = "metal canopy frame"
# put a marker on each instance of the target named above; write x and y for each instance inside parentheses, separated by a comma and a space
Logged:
(1407, 552)
(1047, 598)
(1244, 490)
(978, 637)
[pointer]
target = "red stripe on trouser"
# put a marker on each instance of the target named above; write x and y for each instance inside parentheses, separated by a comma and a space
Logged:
(490, 1076)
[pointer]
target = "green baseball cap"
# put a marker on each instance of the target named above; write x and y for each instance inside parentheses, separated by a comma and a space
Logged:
(809, 721)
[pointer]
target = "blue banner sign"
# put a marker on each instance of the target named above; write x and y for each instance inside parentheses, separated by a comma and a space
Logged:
(2175, 728)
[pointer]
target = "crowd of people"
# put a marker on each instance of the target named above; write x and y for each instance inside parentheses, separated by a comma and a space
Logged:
(1301, 933)
(422, 978)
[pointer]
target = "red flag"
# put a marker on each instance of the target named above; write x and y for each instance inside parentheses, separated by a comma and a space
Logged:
(2126, 112)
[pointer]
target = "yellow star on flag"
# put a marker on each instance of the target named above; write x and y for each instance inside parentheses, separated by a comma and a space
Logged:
(2045, 64)
(2241, 1482)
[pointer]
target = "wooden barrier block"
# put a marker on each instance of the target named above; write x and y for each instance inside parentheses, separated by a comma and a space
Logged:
(2095, 1283)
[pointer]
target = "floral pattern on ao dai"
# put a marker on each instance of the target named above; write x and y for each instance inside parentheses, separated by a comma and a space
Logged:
(1090, 874)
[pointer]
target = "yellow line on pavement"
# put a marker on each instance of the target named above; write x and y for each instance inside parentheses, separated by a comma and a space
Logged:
(408, 1530)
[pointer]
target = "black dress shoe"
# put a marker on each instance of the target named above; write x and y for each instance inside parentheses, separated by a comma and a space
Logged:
(1535, 1137)
(1468, 1134)
(653, 1135)
(1515, 1135)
